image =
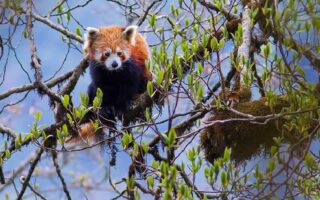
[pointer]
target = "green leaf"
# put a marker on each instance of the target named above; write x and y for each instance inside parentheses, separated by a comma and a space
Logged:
(221, 43)
(155, 164)
(18, 141)
(271, 165)
(65, 101)
(273, 150)
(171, 139)
(97, 101)
(191, 155)
(126, 140)
(187, 21)
(78, 31)
(227, 153)
(152, 21)
(145, 147)
(29, 136)
(214, 43)
(299, 70)
(68, 16)
(60, 9)
(84, 99)
(136, 149)
(266, 50)
(224, 179)
(200, 68)
(70, 119)
(150, 88)
(309, 161)
(7, 154)
(200, 93)
(37, 116)
(95, 124)
(150, 181)
(65, 130)
(160, 77)
(316, 22)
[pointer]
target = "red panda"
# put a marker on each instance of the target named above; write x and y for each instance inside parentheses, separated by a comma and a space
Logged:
(117, 57)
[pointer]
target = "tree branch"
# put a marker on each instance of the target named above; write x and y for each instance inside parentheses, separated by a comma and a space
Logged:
(26, 180)
(58, 170)
(8, 131)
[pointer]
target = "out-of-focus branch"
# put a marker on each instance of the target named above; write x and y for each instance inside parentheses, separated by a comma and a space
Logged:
(2, 180)
(36, 192)
(306, 51)
(26, 180)
(58, 170)
(224, 11)
(146, 12)
(8, 131)
(18, 169)
(49, 23)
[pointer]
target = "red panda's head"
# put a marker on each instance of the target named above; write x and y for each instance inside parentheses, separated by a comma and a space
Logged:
(109, 45)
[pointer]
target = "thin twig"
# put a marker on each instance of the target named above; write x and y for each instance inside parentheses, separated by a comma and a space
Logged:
(2, 180)
(27, 178)
(36, 192)
(58, 170)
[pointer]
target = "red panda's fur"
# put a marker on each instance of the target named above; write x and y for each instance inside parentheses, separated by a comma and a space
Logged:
(111, 36)
(135, 50)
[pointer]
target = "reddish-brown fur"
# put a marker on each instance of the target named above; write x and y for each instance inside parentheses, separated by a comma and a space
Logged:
(112, 37)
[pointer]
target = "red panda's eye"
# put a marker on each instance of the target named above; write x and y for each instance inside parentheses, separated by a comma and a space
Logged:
(107, 54)
(120, 53)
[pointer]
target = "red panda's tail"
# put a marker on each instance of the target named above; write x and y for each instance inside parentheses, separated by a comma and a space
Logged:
(86, 135)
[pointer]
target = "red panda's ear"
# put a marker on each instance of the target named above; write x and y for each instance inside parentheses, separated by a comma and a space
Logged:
(130, 34)
(89, 36)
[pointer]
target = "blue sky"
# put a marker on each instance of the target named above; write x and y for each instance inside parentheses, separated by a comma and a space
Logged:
(52, 52)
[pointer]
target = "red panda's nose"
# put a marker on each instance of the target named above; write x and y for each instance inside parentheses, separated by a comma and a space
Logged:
(114, 64)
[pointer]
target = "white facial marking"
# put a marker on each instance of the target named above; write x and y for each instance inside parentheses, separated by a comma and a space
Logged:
(113, 62)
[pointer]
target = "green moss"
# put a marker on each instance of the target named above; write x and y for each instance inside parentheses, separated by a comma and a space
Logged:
(245, 138)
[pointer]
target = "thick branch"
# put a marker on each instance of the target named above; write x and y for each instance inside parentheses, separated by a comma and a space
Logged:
(244, 49)
(32, 86)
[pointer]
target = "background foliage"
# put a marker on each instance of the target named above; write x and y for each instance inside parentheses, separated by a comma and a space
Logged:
(232, 111)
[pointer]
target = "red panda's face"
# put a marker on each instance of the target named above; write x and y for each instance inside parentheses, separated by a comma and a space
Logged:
(109, 46)
(112, 58)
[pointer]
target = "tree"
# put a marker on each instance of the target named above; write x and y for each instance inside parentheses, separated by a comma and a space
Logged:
(232, 111)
